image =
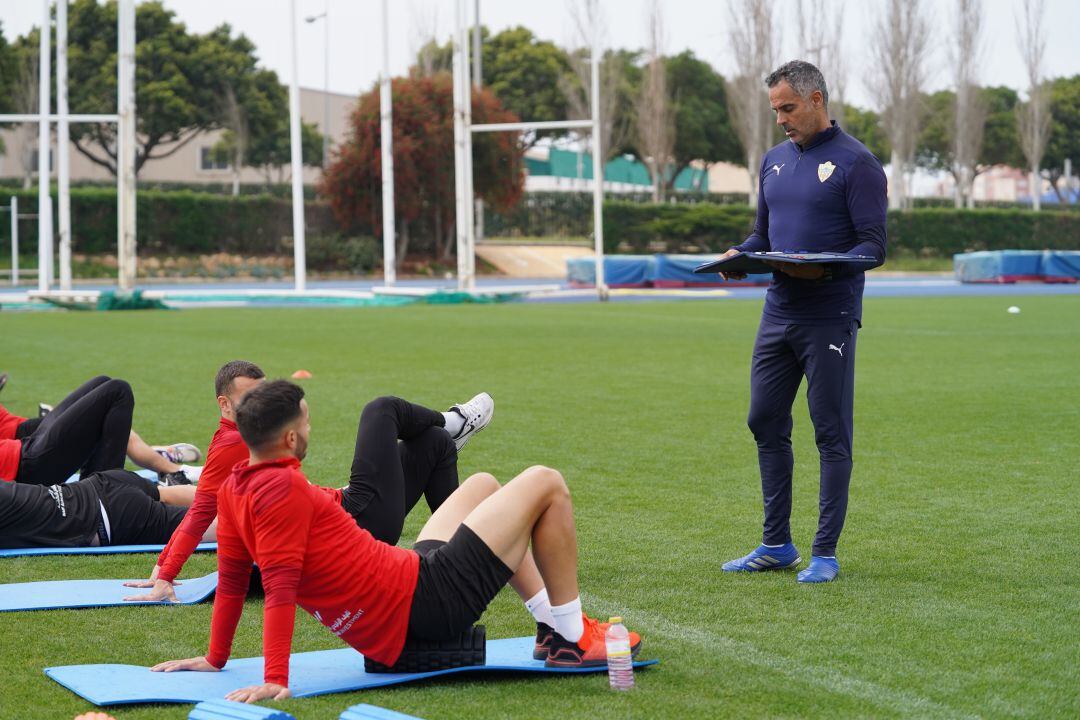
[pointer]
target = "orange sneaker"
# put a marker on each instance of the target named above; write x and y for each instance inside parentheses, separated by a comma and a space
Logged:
(544, 633)
(589, 651)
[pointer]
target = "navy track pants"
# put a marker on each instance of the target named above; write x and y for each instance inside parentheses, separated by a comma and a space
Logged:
(783, 354)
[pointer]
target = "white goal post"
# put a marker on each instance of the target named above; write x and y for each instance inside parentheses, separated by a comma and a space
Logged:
(125, 170)
(463, 130)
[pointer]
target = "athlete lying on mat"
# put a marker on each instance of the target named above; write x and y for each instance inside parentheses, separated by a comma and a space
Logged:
(112, 507)
(371, 594)
(403, 451)
(89, 431)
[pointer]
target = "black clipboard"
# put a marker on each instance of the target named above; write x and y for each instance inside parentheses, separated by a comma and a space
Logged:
(752, 263)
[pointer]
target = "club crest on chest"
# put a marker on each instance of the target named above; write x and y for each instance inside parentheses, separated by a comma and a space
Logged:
(824, 170)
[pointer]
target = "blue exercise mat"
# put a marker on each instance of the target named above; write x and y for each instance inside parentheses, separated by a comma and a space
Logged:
(58, 594)
(363, 711)
(230, 710)
(311, 673)
(97, 550)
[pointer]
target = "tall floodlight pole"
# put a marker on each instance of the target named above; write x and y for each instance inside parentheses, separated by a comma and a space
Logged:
(125, 146)
(478, 81)
(598, 158)
(45, 244)
(386, 146)
(63, 163)
(297, 165)
(466, 102)
(326, 86)
(459, 152)
(325, 17)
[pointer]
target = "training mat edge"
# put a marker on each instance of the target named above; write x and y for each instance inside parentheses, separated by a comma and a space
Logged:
(317, 672)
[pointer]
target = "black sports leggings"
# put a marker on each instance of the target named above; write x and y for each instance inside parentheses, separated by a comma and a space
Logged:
(88, 432)
(402, 452)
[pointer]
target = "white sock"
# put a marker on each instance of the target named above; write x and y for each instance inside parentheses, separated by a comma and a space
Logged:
(540, 607)
(454, 422)
(568, 621)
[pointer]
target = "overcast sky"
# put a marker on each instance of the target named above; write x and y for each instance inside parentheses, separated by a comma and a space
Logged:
(698, 25)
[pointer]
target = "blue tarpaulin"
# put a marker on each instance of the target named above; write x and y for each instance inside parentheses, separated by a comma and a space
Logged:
(1005, 266)
(658, 270)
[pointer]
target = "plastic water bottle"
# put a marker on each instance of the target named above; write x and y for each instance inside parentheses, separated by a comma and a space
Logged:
(619, 661)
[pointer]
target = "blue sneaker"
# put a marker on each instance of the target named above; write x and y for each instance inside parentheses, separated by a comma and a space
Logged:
(821, 569)
(765, 558)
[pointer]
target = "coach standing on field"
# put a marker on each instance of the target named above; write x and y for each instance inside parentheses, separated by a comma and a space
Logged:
(819, 191)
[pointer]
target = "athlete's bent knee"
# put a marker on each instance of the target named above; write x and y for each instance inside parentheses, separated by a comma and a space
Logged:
(379, 405)
(482, 482)
(552, 479)
(120, 388)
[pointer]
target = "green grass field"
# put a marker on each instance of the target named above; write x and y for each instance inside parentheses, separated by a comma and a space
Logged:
(958, 595)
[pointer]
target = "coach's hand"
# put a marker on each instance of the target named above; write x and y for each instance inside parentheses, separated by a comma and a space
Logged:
(732, 275)
(803, 272)
(162, 590)
(197, 664)
(255, 693)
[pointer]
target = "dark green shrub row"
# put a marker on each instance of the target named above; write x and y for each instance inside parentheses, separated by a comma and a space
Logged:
(283, 190)
(185, 222)
(944, 232)
(569, 214)
(928, 232)
(176, 223)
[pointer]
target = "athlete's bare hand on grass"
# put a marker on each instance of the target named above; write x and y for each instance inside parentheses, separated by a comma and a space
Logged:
(146, 583)
(162, 590)
(803, 272)
(255, 693)
(196, 664)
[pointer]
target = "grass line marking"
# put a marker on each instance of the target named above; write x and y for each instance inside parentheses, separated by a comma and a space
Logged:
(908, 703)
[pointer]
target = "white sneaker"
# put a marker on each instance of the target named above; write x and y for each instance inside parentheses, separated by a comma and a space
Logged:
(476, 413)
(179, 453)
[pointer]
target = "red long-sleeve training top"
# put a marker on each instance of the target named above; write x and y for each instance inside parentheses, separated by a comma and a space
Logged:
(312, 554)
(225, 451)
(10, 448)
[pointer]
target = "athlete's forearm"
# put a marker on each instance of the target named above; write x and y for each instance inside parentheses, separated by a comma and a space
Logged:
(234, 574)
(871, 244)
(188, 535)
(280, 584)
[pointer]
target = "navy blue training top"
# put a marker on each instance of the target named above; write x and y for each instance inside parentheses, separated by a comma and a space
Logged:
(827, 196)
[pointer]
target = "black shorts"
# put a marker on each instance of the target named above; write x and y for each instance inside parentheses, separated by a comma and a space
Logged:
(457, 581)
(136, 514)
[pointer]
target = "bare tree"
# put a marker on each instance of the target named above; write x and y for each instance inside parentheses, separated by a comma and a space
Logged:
(751, 38)
(971, 107)
(425, 44)
(238, 134)
(1033, 117)
(821, 27)
(655, 137)
(615, 129)
(25, 100)
(901, 54)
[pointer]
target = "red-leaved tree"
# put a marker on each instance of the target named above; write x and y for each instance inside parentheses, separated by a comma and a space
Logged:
(423, 165)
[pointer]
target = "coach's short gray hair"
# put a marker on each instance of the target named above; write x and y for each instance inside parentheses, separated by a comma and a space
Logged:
(803, 77)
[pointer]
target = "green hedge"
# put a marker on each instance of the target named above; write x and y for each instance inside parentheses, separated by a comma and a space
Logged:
(929, 232)
(569, 214)
(943, 232)
(283, 190)
(177, 223)
(193, 223)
